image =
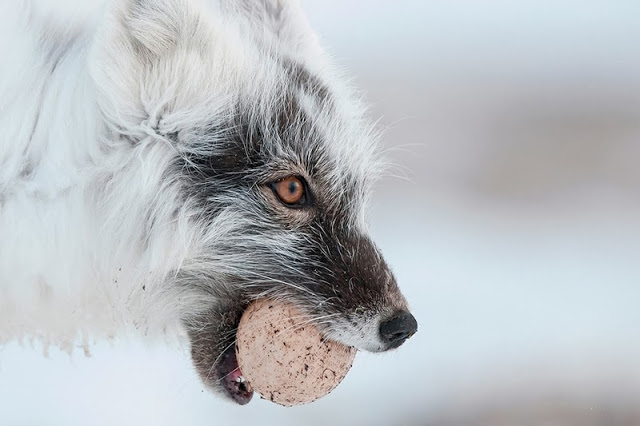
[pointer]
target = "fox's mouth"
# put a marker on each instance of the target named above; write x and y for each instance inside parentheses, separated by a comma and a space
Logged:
(231, 379)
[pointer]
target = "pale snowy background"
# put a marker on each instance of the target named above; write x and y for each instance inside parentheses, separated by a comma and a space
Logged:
(516, 236)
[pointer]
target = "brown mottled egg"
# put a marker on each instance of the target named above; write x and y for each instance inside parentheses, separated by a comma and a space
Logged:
(285, 358)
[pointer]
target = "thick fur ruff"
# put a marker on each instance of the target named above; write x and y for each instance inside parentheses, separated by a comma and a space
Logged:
(139, 142)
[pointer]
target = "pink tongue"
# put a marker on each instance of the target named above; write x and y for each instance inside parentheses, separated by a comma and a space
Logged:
(233, 376)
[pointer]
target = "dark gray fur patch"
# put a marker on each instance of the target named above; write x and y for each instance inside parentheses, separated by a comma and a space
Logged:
(359, 276)
(307, 81)
(244, 150)
(224, 166)
(27, 170)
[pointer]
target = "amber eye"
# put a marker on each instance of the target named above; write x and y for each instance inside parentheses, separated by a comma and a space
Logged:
(290, 190)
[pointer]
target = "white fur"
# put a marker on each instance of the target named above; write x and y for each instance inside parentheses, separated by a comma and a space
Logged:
(89, 236)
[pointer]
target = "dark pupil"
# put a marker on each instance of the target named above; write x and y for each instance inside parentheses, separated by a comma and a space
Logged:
(293, 187)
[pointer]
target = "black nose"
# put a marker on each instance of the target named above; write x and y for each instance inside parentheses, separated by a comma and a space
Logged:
(398, 328)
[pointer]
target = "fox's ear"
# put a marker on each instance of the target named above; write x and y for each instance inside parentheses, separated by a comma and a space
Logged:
(143, 49)
(280, 25)
(153, 27)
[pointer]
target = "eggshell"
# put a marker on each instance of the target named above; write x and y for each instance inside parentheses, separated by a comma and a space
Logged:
(285, 358)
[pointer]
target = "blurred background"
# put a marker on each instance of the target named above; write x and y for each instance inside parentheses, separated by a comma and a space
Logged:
(512, 222)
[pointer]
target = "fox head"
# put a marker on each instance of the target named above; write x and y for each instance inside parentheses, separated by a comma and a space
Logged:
(264, 155)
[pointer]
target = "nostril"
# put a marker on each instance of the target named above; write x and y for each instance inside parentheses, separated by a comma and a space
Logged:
(398, 328)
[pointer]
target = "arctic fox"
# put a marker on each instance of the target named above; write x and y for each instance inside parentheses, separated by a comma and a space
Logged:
(165, 162)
